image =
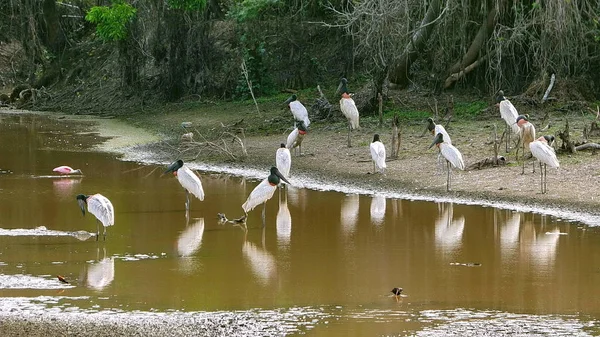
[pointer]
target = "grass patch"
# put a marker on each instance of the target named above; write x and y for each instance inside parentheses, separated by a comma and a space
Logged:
(469, 109)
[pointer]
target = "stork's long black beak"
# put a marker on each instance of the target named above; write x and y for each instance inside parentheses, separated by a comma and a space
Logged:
(289, 100)
(339, 88)
(439, 138)
(171, 168)
(282, 177)
(81, 205)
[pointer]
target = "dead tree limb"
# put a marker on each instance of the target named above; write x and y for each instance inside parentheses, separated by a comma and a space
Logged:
(380, 101)
(245, 72)
(552, 79)
(399, 74)
(456, 76)
(587, 146)
(565, 136)
(395, 136)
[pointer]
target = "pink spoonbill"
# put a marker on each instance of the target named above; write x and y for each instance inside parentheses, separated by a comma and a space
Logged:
(66, 170)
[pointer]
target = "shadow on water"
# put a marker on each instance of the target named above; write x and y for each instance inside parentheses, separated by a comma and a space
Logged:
(324, 262)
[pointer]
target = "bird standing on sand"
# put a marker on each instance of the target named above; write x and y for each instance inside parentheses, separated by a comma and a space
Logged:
(509, 113)
(283, 160)
(66, 170)
(348, 108)
(100, 207)
(542, 150)
(378, 155)
(263, 192)
(452, 155)
(298, 110)
(295, 138)
(189, 181)
(527, 135)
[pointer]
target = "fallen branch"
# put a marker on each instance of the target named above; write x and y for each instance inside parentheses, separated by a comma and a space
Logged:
(587, 146)
(245, 72)
(545, 98)
(456, 76)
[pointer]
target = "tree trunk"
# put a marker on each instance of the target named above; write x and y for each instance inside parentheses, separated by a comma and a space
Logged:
(470, 59)
(53, 38)
(400, 72)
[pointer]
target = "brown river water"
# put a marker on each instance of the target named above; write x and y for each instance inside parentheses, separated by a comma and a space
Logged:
(323, 265)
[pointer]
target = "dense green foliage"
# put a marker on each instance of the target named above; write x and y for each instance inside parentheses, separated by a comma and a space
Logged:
(111, 22)
(177, 49)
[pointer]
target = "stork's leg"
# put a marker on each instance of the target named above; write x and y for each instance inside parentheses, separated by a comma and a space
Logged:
(448, 177)
(97, 229)
(349, 130)
(523, 156)
(300, 149)
(104, 233)
(545, 179)
(507, 138)
(374, 167)
(263, 213)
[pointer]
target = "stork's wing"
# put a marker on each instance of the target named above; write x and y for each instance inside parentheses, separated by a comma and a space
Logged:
(300, 113)
(378, 154)
(440, 129)
(260, 194)
(190, 181)
(291, 139)
(349, 110)
(283, 161)
(509, 114)
(452, 155)
(544, 153)
(102, 209)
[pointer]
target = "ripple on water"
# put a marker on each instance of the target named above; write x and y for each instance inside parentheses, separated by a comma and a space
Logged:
(58, 313)
(462, 322)
(43, 231)
(21, 281)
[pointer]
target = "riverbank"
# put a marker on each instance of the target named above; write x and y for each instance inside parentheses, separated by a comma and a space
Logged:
(415, 174)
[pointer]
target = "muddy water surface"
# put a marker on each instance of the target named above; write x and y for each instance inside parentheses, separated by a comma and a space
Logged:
(323, 265)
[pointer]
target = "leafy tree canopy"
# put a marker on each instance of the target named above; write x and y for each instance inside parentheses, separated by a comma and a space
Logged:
(111, 21)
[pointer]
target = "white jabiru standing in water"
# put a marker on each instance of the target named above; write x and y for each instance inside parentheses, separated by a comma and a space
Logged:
(451, 154)
(263, 192)
(542, 150)
(298, 110)
(348, 108)
(189, 181)
(509, 114)
(283, 160)
(100, 207)
(295, 138)
(378, 155)
(527, 135)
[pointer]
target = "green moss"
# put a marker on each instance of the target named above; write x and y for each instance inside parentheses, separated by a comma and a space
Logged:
(469, 109)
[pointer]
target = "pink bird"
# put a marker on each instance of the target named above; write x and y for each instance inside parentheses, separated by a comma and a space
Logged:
(67, 170)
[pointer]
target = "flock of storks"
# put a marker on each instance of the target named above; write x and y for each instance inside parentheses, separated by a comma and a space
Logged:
(540, 148)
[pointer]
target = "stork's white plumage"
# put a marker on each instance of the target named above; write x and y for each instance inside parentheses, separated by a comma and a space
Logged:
(509, 114)
(188, 180)
(100, 207)
(295, 138)
(263, 192)
(546, 155)
(451, 154)
(378, 155)
(283, 160)
(438, 128)
(298, 110)
(348, 108)
(527, 135)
